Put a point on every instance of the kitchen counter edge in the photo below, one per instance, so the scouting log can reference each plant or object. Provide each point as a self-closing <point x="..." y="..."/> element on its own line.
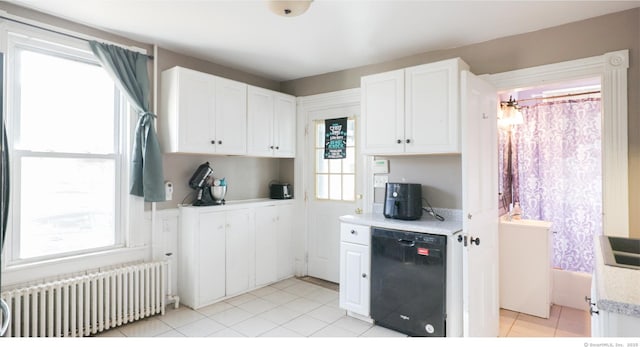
<point x="424" y="225"/>
<point x="238" y="204"/>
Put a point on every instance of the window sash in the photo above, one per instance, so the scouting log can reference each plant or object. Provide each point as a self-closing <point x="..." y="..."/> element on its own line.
<point x="17" y="42"/>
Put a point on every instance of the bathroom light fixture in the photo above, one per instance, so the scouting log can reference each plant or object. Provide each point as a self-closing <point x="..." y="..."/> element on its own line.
<point x="290" y="8"/>
<point x="510" y="113"/>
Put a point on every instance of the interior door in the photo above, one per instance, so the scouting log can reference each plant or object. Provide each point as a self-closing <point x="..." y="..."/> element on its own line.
<point x="333" y="189"/>
<point x="480" y="207"/>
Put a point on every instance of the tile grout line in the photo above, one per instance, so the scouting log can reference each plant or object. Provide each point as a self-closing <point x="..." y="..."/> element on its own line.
<point x="555" y="331"/>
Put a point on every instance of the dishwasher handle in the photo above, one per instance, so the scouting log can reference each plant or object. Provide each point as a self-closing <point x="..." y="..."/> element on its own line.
<point x="406" y="243"/>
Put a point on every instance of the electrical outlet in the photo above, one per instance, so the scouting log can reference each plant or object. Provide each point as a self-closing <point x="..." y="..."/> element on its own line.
<point x="379" y="181"/>
<point x="168" y="190"/>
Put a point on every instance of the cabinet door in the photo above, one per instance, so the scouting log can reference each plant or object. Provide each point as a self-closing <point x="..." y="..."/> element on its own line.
<point x="284" y="127"/>
<point x="383" y="113"/>
<point x="260" y="108"/>
<point x="285" y="241"/>
<point x="266" y="245"/>
<point x="230" y="117"/>
<point x="194" y="113"/>
<point x="239" y="251"/>
<point x="431" y="108"/>
<point x="211" y="260"/>
<point x="354" y="278"/>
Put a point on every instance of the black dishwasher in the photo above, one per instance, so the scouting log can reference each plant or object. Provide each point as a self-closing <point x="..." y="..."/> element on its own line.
<point x="408" y="279"/>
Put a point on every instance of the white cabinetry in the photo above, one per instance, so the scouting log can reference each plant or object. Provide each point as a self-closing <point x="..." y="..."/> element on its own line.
<point x="203" y="113"/>
<point x="285" y="242"/>
<point x="229" y="250"/>
<point x="414" y="110"/>
<point x="274" y="256"/>
<point x="239" y="257"/>
<point x="271" y="123"/>
<point x="201" y="275"/>
<point x="355" y="264"/>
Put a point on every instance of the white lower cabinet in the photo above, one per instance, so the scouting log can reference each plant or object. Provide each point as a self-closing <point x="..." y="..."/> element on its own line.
<point x="274" y="233"/>
<point x="239" y="252"/>
<point x="231" y="251"/>
<point x="208" y="261"/>
<point x="285" y="242"/>
<point x="355" y="263"/>
<point x="266" y="245"/>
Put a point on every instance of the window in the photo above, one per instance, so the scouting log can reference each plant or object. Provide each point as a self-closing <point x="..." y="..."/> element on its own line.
<point x="66" y="119"/>
<point x="335" y="178"/>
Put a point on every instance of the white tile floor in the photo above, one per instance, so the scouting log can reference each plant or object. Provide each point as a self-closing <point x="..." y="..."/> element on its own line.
<point x="290" y="308"/>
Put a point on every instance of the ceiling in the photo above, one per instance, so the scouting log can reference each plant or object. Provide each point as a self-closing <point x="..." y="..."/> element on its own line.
<point x="332" y="35"/>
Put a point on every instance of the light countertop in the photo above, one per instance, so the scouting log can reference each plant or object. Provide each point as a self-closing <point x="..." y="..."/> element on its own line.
<point x="618" y="287"/>
<point x="236" y="204"/>
<point x="427" y="224"/>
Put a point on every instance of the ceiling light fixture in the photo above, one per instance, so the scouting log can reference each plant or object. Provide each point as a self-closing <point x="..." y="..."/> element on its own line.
<point x="289" y="8"/>
<point x="510" y="113"/>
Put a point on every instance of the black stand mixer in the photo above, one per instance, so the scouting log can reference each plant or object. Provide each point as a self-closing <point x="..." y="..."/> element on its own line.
<point x="202" y="181"/>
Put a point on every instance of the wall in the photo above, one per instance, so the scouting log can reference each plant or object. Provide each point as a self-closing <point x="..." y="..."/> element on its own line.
<point x="248" y="177"/>
<point x="440" y="176"/>
<point x="582" y="39"/>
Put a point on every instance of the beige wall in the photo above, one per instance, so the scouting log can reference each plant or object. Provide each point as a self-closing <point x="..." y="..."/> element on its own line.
<point x="440" y="176"/>
<point x="582" y="39"/>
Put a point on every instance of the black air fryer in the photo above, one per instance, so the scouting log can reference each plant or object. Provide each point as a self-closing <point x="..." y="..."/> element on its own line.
<point x="403" y="201"/>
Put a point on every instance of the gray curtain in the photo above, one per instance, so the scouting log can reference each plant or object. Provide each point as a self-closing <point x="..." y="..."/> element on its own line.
<point x="129" y="71"/>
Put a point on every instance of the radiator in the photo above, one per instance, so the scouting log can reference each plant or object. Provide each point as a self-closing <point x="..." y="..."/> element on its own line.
<point x="88" y="304"/>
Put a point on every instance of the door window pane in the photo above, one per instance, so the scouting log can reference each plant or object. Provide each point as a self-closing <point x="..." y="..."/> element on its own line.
<point x="335" y="178"/>
<point x="322" y="186"/>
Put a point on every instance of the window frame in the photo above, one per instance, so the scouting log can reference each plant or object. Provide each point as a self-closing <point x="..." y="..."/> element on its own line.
<point x="316" y="174"/>
<point x="17" y="38"/>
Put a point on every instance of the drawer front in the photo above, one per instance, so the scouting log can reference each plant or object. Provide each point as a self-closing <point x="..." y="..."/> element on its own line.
<point x="360" y="234"/>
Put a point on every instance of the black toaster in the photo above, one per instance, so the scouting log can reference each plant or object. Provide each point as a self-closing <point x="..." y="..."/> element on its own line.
<point x="280" y="191"/>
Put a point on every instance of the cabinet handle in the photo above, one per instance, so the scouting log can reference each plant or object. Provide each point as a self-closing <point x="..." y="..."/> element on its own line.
<point x="271" y="147"/>
<point x="353" y="232"/>
<point x="213" y="142"/>
<point x="219" y="142"/>
<point x="475" y="240"/>
<point x="277" y="147"/>
<point x="592" y="311"/>
<point x="364" y="275"/>
<point x="408" y="140"/>
<point x="399" y="141"/>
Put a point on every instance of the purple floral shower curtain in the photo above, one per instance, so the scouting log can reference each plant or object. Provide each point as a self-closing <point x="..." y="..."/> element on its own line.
<point x="559" y="175"/>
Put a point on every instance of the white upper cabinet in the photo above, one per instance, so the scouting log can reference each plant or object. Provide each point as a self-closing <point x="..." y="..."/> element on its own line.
<point x="271" y="123"/>
<point x="383" y="113"/>
<point x="203" y="113"/>
<point x="414" y="110"/>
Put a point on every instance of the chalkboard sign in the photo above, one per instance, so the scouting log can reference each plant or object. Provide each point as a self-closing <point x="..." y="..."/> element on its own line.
<point x="335" y="138"/>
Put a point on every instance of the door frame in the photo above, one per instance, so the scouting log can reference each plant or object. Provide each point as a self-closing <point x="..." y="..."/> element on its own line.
<point x="305" y="106"/>
<point x="611" y="68"/>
